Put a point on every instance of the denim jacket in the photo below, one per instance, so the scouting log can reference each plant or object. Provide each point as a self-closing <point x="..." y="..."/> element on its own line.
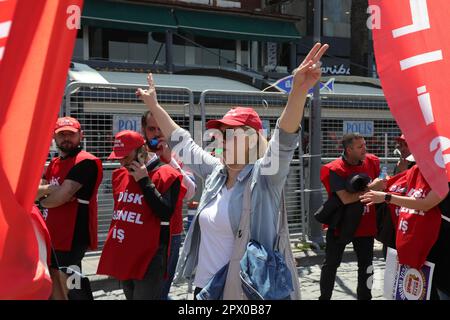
<point x="265" y="197"/>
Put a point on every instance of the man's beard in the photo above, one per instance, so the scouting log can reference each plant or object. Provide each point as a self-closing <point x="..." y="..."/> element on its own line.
<point x="67" y="147"/>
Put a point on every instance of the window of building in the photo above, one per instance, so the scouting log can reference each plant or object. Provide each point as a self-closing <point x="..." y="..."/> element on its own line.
<point x="245" y="58"/>
<point x="336" y="18"/>
<point x="157" y="48"/>
<point x="213" y="52"/>
<point x="126" y="46"/>
<point x="78" y="49"/>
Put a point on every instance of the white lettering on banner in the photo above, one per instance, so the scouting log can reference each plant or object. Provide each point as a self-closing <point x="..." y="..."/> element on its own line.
<point x="420" y="22"/>
<point x="416" y="193"/>
<point x="420" y="59"/>
<point x="118" y="234"/>
<point x="403" y="226"/>
<point x="4" y="29"/>
<point x="127" y="216"/>
<point x="130" y="197"/>
<point x="425" y="104"/>
<point x="440" y="144"/>
<point x="420" y="19"/>
<point x="366" y="210"/>
<point x="397" y="189"/>
<point x="54" y="181"/>
<point x="45" y="213"/>
<point x="411" y="211"/>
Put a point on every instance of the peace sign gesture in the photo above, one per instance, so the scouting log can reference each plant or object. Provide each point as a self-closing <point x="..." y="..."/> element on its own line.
<point x="148" y="96"/>
<point x="308" y="72"/>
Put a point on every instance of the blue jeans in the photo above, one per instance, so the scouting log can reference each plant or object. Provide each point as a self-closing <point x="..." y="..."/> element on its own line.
<point x="175" y="244"/>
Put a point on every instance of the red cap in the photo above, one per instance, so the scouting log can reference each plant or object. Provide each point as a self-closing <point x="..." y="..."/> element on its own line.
<point x="124" y="143"/>
<point x="67" y="124"/>
<point x="236" y="117"/>
<point x="401" y="138"/>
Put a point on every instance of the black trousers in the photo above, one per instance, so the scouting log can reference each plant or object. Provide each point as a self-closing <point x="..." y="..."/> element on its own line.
<point x="149" y="288"/>
<point x="334" y="250"/>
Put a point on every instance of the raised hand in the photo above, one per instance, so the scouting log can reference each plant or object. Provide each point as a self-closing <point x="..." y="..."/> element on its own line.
<point x="148" y="96"/>
<point x="308" y="72"/>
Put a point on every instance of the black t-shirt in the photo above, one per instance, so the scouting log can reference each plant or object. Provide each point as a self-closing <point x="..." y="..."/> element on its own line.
<point x="85" y="173"/>
<point x="337" y="183"/>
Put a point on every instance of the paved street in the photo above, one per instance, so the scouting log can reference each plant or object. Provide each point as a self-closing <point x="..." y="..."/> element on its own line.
<point x="309" y="275"/>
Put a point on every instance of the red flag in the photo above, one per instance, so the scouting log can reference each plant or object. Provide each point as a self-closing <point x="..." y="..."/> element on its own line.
<point x="6" y="14"/>
<point x="412" y="49"/>
<point x="32" y="79"/>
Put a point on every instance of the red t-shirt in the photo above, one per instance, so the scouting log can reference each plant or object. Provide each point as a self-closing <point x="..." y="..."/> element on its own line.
<point x="417" y="231"/>
<point x="370" y="166"/>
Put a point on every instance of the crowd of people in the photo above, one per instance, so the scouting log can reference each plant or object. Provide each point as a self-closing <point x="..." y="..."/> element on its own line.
<point x="241" y="201"/>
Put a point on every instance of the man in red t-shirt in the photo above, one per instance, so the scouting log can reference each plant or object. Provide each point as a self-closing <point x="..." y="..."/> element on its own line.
<point x="147" y="194"/>
<point x="335" y="176"/>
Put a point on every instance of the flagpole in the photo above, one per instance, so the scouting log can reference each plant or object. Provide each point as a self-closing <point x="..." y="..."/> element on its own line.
<point x="315" y="200"/>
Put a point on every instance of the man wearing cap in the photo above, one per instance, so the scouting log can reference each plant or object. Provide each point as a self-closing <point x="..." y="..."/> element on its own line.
<point x="404" y="163"/>
<point x="69" y="188"/>
<point x="157" y="146"/>
<point x="146" y="194"/>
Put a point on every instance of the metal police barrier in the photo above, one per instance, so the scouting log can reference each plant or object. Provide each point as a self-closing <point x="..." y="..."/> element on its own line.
<point x="105" y="109"/>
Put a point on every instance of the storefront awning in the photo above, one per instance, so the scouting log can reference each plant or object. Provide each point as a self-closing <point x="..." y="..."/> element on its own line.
<point x="125" y="16"/>
<point x="236" y="27"/>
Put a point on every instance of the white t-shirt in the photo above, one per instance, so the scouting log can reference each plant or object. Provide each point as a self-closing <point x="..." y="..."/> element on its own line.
<point x="217" y="238"/>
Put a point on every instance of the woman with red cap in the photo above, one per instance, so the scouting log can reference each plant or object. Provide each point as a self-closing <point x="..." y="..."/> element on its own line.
<point x="248" y="166"/>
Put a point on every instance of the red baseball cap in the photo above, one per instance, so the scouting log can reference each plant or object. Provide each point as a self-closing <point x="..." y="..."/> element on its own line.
<point x="124" y="143"/>
<point x="238" y="116"/>
<point x="67" y="124"/>
<point x="401" y="138"/>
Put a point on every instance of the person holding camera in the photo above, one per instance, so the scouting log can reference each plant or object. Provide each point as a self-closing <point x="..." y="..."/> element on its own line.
<point x="147" y="193"/>
<point x="158" y="148"/>
<point x="342" y="179"/>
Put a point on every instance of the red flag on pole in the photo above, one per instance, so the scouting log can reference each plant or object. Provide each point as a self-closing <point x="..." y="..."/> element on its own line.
<point x="33" y="74"/>
<point x="6" y="14"/>
<point x="412" y="49"/>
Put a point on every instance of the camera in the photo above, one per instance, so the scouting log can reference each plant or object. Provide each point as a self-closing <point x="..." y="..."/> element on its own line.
<point x="357" y="182"/>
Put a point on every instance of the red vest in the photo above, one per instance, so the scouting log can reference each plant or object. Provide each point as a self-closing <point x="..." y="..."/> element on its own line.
<point x="396" y="185"/>
<point x="417" y="231"/>
<point x="134" y="233"/>
<point x="61" y="220"/>
<point x="370" y="166"/>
